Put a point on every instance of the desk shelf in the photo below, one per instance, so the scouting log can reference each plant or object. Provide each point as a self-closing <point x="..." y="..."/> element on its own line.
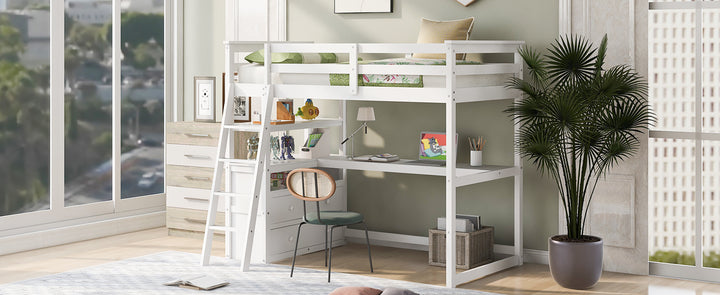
<point x="299" y="124"/>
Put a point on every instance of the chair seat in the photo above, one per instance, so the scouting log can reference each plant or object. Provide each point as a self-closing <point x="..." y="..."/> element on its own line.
<point x="335" y="217"/>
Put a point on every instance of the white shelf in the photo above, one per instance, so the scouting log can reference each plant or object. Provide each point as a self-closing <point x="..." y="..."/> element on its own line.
<point x="299" y="124"/>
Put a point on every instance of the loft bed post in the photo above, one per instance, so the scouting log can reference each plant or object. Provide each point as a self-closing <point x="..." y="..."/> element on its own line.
<point x="450" y="188"/>
<point x="230" y="92"/>
<point x="518" y="190"/>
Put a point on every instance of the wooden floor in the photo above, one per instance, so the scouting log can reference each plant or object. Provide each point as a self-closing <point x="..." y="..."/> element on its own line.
<point x="392" y="263"/>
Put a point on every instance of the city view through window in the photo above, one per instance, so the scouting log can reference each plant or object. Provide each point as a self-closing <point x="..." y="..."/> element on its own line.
<point x="675" y="179"/>
<point x="88" y="95"/>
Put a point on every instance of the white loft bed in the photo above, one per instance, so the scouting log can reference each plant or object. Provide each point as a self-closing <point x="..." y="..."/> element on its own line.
<point x="447" y="84"/>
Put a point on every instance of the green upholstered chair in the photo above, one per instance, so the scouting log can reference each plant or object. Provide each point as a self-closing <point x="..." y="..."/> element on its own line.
<point x="315" y="185"/>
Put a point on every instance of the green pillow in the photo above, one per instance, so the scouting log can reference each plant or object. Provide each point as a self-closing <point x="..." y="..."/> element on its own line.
<point x="292" y="58"/>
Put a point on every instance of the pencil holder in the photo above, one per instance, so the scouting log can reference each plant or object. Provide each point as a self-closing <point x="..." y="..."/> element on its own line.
<point x="475" y="158"/>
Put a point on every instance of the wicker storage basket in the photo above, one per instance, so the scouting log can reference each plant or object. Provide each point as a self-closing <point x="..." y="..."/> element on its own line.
<point x="473" y="248"/>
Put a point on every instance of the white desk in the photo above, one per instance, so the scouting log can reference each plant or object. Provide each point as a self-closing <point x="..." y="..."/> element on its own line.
<point x="465" y="174"/>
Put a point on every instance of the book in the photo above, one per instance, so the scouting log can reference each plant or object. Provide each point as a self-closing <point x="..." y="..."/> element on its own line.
<point x="201" y="282"/>
<point x="378" y="158"/>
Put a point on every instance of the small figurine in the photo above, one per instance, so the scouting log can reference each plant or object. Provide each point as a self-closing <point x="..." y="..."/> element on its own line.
<point x="287" y="144"/>
<point x="252" y="146"/>
<point x="275" y="147"/>
<point x="308" y="111"/>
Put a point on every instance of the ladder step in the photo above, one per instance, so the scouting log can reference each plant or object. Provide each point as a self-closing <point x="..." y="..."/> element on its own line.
<point x="223" y="228"/>
<point x="238" y="161"/>
<point x="232" y="195"/>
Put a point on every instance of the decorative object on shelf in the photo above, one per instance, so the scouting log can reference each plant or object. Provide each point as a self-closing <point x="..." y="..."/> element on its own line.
<point x="275" y="147"/>
<point x="308" y="111"/>
<point x="277" y="180"/>
<point x="476" y="148"/>
<point x="364" y="115"/>
<point x="575" y="131"/>
<point x="363" y="6"/>
<point x="284" y="114"/>
<point x="241" y="108"/>
<point x="204" y="99"/>
<point x="287" y="145"/>
<point x="252" y="146"/>
<point x="465" y="2"/>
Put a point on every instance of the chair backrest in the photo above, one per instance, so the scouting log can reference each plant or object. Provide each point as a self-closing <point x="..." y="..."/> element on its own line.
<point x="312" y="185"/>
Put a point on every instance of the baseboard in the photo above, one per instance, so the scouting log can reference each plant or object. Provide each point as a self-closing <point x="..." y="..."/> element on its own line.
<point x="421" y="243"/>
<point x="80" y="232"/>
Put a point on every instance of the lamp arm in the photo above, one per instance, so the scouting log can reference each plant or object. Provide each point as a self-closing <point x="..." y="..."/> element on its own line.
<point x="364" y="124"/>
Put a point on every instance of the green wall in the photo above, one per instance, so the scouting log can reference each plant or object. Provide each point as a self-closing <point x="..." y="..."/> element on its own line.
<point x="410" y="204"/>
<point x="204" y="54"/>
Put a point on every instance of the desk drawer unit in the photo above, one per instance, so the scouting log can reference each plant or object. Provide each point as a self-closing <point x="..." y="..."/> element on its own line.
<point x="189" y="222"/>
<point x="191" y="155"/>
<point x="193" y="133"/>
<point x="191" y="198"/>
<point x="192" y="177"/>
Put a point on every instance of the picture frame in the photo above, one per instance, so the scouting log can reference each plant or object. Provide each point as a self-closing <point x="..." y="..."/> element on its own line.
<point x="204" y="98"/>
<point x="363" y="6"/>
<point x="242" y="108"/>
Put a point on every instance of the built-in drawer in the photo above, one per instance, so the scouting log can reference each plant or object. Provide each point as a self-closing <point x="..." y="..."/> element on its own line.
<point x="288" y="208"/>
<point x="283" y="239"/>
<point x="192" y="177"/>
<point x="193" y="133"/>
<point x="190" y="219"/>
<point x="191" y="155"/>
<point x="191" y="198"/>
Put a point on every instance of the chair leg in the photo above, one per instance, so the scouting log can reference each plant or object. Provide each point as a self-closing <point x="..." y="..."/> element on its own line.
<point x="326" y="245"/>
<point x="367" y="240"/>
<point x="297" y="240"/>
<point x="330" y="253"/>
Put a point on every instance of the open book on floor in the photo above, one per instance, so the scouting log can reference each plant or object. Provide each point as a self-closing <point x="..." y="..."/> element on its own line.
<point x="198" y="282"/>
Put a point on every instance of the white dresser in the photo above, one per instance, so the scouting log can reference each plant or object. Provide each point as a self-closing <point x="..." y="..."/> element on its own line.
<point x="191" y="150"/>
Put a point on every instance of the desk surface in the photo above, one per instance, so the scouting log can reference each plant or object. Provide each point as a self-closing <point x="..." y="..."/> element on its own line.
<point x="465" y="173"/>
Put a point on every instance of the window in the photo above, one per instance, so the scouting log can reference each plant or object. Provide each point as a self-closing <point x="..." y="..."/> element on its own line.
<point x="683" y="51"/>
<point x="101" y="124"/>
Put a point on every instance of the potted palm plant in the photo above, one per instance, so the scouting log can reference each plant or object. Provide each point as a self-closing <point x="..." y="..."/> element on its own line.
<point x="576" y="121"/>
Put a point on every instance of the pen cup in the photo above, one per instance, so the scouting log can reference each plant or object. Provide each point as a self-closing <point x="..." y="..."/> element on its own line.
<point x="475" y="158"/>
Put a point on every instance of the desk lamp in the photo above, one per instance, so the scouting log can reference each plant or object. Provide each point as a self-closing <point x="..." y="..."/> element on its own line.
<point x="365" y="114"/>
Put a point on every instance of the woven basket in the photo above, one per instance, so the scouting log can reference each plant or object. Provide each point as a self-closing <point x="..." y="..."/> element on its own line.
<point x="473" y="248"/>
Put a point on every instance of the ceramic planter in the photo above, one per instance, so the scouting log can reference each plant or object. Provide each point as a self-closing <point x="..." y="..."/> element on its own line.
<point x="576" y="265"/>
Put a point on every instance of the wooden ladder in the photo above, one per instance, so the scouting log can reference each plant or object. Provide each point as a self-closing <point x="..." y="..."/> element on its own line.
<point x="224" y="162"/>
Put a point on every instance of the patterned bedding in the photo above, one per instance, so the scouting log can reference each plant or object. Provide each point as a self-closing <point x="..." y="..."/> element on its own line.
<point x="391" y="80"/>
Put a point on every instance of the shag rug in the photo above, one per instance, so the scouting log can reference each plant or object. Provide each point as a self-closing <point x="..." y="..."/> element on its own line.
<point x="146" y="275"/>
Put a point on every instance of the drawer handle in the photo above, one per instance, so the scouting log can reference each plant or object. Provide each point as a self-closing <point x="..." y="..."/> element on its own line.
<point x="197" y="157"/>
<point x="196" y="135"/>
<point x="291" y="208"/>
<point x="197" y="178"/>
<point x="291" y="238"/>
<point x="195" y="199"/>
<point x="193" y="220"/>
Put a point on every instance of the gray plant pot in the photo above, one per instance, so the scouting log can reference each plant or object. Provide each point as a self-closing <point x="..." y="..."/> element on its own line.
<point x="576" y="265"/>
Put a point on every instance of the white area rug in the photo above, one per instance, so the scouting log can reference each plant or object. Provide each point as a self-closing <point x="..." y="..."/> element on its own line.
<point x="145" y="275"/>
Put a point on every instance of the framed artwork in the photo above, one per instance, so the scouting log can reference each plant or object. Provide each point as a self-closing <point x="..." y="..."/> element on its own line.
<point x="363" y="6"/>
<point x="241" y="108"/>
<point x="204" y="99"/>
